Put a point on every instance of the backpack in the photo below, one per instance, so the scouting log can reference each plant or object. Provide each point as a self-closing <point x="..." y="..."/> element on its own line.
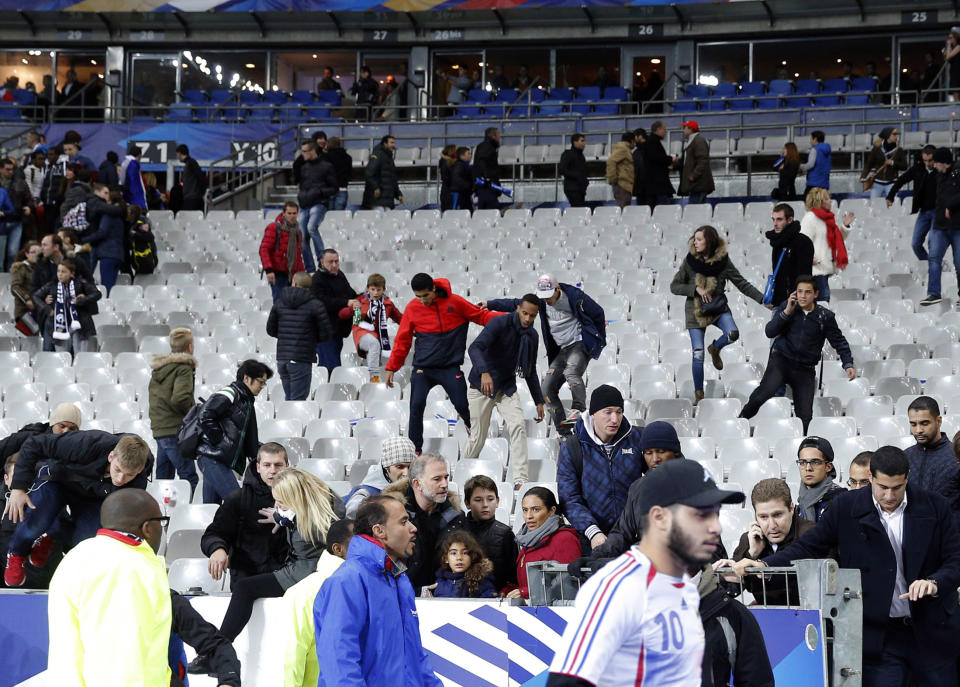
<point x="76" y="217"/>
<point x="143" y="253"/>
<point x="189" y="434"/>
<point x="575" y="451"/>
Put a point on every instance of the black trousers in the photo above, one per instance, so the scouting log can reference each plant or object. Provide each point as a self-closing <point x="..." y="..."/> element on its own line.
<point x="245" y="592"/>
<point x="487" y="199"/>
<point x="781" y="370"/>
<point x="576" y="197"/>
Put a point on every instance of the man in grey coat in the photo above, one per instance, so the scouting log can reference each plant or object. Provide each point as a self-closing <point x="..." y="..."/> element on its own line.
<point x="696" y="179"/>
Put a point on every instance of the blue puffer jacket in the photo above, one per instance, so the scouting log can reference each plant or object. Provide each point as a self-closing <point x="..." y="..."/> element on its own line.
<point x="934" y="469"/>
<point x="365" y="618"/>
<point x="451" y="585"/>
<point x="593" y="498"/>
<point x="819" y="175"/>
<point x="593" y="323"/>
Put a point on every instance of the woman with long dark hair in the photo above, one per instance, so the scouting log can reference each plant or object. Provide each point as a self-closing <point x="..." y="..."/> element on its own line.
<point x="702" y="278"/>
<point x="788" y="166"/>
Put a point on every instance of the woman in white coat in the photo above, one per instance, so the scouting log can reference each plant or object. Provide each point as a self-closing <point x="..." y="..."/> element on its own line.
<point x="829" y="250"/>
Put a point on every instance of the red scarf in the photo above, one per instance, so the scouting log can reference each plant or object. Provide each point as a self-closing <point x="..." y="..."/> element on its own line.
<point x="834" y="238"/>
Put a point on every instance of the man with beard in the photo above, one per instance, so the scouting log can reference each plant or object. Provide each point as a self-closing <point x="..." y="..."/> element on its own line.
<point x="433" y="511"/>
<point x="639" y="620"/>
<point x="792" y="251"/>
<point x="933" y="466"/>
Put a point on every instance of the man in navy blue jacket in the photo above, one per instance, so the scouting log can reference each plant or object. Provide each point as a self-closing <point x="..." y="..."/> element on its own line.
<point x="799" y="328"/>
<point x="906" y="545"/>
<point x="597" y="465"/>
<point x="505" y="349"/>
<point x="574" y="331"/>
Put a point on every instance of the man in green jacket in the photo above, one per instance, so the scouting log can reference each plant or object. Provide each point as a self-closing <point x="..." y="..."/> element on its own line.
<point x="171" y="397"/>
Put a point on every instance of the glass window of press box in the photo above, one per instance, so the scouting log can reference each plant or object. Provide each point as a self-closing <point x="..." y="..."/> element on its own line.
<point x="205" y="70"/>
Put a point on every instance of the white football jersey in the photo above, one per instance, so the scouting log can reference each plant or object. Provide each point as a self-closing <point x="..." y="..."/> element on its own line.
<point x="638" y="628"/>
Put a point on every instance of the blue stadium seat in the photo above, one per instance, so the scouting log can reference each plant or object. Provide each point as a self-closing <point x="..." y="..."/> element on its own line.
<point x="694" y="90"/>
<point x="504" y="97"/>
<point x="866" y="84"/>
<point x="551" y="108"/>
<point x="233" y="113"/>
<point x="470" y="110"/>
<point x="316" y="113"/>
<point x="261" y="113"/>
<point x="615" y="93"/>
<point x="580" y="108"/>
<point x="331" y="98"/>
<point x="564" y="94"/>
<point x="685" y="105"/>
<point x="195" y="96"/>
<point x="179" y="112"/>
<point x="715" y="104"/>
<point x="22" y="96"/>
<point x="857" y="99"/>
<point x="478" y="95"/>
<point x="780" y="87"/>
<point x="218" y="96"/>
<point x="740" y="105"/>
<point x="727" y="89"/>
<point x="588" y="93"/>
<point x="9" y="112"/>
<point x="753" y="88"/>
<point x="290" y="113"/>
<point x="537" y="95"/>
<point x="607" y="107"/>
<point x="275" y="97"/>
<point x="249" y="98"/>
<point x="302" y="97"/>
<point x="808" y="86"/>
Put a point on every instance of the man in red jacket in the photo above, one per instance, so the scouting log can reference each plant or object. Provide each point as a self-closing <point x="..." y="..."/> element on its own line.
<point x="280" y="249"/>
<point x="440" y="320"/>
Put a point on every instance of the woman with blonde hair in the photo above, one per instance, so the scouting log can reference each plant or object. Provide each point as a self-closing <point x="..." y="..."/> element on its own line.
<point x="829" y="250"/>
<point x="305" y="508"/>
<point x="883" y="163"/>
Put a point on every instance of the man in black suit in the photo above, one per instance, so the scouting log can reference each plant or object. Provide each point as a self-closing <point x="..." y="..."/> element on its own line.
<point x="905" y="544"/>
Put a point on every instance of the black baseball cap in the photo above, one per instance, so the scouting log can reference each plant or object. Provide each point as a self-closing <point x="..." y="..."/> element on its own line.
<point x="818" y="443"/>
<point x="683" y="482"/>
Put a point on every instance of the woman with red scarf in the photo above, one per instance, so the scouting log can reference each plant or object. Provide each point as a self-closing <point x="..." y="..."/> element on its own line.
<point x="829" y="250"/>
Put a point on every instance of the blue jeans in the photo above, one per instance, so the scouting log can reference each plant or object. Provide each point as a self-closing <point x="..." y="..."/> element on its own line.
<point x="727" y="325"/>
<point x="453" y="381"/>
<point x="328" y="353"/>
<point x="921" y="228"/>
<point x="219" y="481"/>
<point x="309" y="221"/>
<point x="940" y="239"/>
<point x="169" y="459"/>
<point x="9" y="238"/>
<point x="822" y="283"/>
<point x="296" y="378"/>
<point x="340" y="200"/>
<point x="109" y="269"/>
<point x="49" y="499"/>
<point x="280" y="282"/>
<point x="693" y="199"/>
<point x="880" y="190"/>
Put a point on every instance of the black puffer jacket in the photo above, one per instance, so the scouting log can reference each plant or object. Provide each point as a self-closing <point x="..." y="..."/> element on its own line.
<point x="193" y="178"/>
<point x="381" y="174"/>
<point x="11" y="444"/>
<point x="334" y="291"/>
<point x="318" y="183"/>
<point x="253" y="548"/>
<point x="222" y="421"/>
<point x="299" y="322"/>
<point x="75" y="460"/>
<point x="342" y="163"/>
<point x="797" y="261"/>
<point x="461" y="183"/>
<point x="486" y="160"/>
<point x="500" y="545"/>
<point x="948" y="198"/>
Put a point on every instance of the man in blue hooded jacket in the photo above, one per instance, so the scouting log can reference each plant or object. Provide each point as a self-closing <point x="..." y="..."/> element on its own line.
<point x="368" y="606"/>
<point x="574" y="331"/>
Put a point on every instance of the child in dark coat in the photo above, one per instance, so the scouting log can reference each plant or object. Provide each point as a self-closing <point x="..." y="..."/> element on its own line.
<point x="464" y="571"/>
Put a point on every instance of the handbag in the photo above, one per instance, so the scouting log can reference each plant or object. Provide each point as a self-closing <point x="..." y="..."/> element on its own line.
<point x="716" y="307"/>
<point x="27" y="325"/>
<point x="771" y="279"/>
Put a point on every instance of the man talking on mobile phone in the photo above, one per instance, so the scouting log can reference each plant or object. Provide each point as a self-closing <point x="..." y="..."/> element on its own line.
<point x="799" y="328"/>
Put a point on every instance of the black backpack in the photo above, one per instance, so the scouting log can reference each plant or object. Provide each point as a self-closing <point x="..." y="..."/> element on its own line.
<point x="189" y="434"/>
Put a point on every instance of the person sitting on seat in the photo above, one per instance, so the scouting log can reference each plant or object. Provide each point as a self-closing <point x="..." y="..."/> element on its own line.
<point x="396" y="454"/>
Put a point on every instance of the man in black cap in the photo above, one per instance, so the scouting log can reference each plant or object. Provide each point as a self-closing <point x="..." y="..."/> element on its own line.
<point x="646" y="592"/>
<point x="946" y="222"/>
<point x="817" y="488"/>
<point x="907" y="541"/>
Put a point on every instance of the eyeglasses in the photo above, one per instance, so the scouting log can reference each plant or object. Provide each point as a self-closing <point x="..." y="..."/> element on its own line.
<point x="857" y="483"/>
<point x="164" y="520"/>
<point x="815" y="463"/>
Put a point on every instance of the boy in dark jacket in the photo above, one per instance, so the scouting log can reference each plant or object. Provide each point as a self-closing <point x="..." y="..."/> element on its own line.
<point x="496" y="538"/>
<point x="68" y="305"/>
<point x="817" y="488"/>
<point x="228" y="424"/>
<point x="574" y="331"/>
<point x="236" y="539"/>
<point x="799" y="328"/>
<point x="76" y="469"/>
<point x="439" y="319"/>
<point x="505" y="350"/>
<point x="597" y="465"/>
<point x="281" y="249"/>
<point x="299" y="322"/>
<point x="461" y="180"/>
<point x="171" y="397"/>
<point x="573" y="169"/>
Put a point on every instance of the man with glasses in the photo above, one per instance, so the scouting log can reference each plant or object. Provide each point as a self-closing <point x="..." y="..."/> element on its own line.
<point x="109" y="605"/>
<point x="75" y="469"/>
<point x="858" y="476"/>
<point x="228" y="424"/>
<point x="817" y="488"/>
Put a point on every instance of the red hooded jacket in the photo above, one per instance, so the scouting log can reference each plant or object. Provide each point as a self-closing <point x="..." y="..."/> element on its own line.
<point x="273" y="249"/>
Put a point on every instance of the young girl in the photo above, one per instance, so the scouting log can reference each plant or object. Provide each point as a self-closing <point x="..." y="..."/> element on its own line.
<point x="370" y="331"/>
<point x="702" y="278"/>
<point x="465" y="572"/>
<point x="543" y="537"/>
<point x="70" y="304"/>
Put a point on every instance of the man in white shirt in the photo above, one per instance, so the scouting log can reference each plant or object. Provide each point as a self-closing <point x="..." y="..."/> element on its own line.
<point x="639" y="622"/>
<point x="905" y="542"/>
